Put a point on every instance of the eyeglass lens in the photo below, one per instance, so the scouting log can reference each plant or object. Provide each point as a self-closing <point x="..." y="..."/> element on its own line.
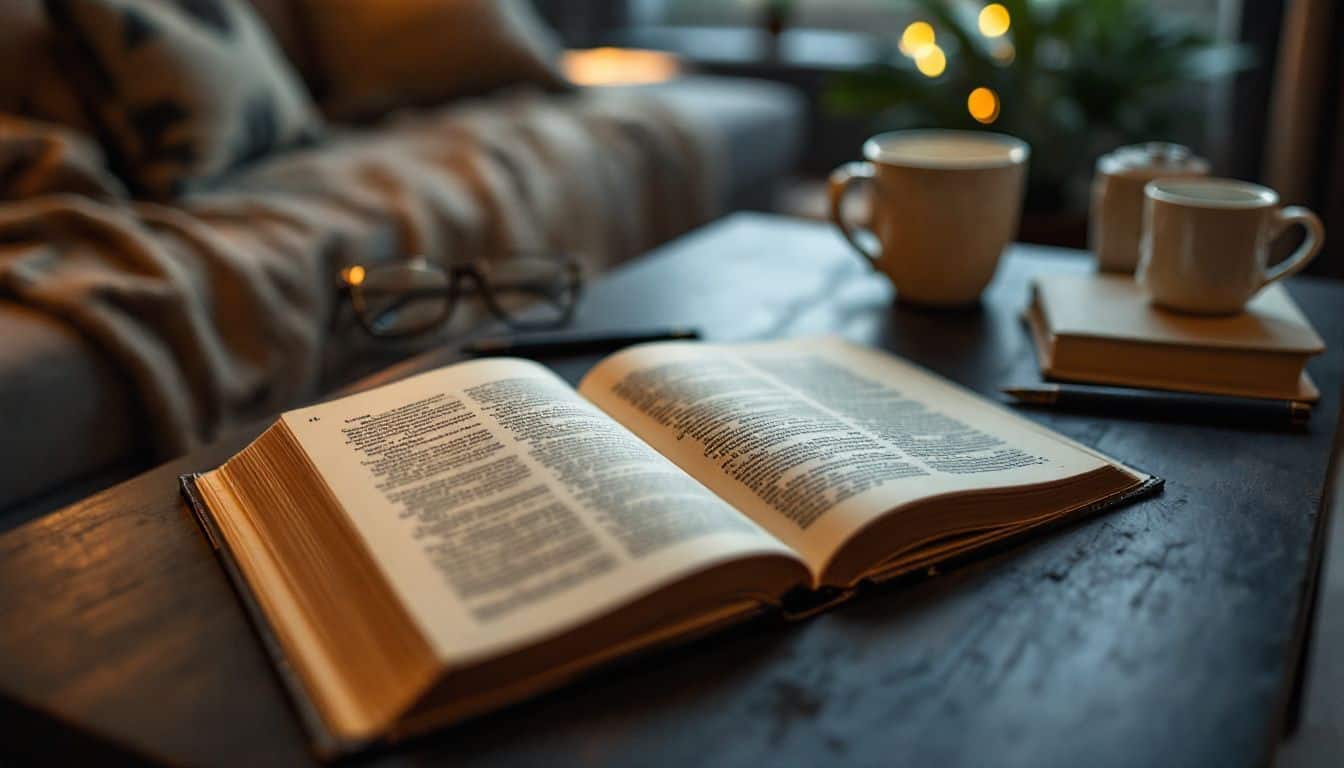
<point x="531" y="291"/>
<point x="400" y="299"/>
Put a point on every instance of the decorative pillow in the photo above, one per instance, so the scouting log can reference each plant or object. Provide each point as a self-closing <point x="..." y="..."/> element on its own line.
<point x="181" y="91"/>
<point x="375" y="55"/>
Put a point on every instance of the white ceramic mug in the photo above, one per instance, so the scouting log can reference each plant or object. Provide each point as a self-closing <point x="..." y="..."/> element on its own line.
<point x="1206" y="242"/>
<point x="944" y="205"/>
<point x="1115" y="219"/>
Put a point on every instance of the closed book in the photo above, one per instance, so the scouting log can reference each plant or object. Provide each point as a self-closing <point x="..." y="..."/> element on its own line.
<point x="1101" y="329"/>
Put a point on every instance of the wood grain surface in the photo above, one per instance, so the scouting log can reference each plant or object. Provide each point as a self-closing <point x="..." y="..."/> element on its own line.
<point x="1164" y="633"/>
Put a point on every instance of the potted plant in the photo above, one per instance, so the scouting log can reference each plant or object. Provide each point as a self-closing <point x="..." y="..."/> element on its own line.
<point x="1074" y="78"/>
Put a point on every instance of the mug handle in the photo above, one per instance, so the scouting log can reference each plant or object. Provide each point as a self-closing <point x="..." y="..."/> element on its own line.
<point x="841" y="180"/>
<point x="1286" y="217"/>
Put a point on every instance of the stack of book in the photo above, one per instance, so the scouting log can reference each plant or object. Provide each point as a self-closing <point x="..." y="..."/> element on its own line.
<point x="1100" y="329"/>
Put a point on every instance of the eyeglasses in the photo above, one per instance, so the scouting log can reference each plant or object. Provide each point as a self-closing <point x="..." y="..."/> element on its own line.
<point x="414" y="297"/>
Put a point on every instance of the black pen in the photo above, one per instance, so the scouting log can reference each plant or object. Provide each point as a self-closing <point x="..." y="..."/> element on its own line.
<point x="570" y="343"/>
<point x="1167" y="406"/>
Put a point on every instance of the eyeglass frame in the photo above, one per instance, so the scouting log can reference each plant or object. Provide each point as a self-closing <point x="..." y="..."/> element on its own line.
<point x="457" y="277"/>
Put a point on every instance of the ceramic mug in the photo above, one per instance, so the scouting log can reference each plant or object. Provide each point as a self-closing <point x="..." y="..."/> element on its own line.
<point x="1115" y="219"/>
<point x="944" y="206"/>
<point x="1205" y="243"/>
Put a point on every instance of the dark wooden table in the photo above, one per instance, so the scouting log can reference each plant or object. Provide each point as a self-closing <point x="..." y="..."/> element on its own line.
<point x="1164" y="633"/>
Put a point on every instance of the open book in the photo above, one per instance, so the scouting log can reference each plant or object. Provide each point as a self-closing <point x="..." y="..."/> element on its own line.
<point x="446" y="544"/>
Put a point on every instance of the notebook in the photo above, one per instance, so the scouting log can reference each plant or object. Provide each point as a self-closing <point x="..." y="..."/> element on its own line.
<point x="1100" y="329"/>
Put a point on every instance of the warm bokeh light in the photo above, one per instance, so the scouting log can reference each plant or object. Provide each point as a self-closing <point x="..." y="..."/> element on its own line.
<point x="917" y="39"/>
<point x="1003" y="52"/>
<point x="619" y="66"/>
<point x="983" y="104"/>
<point x="994" y="20"/>
<point x="931" y="61"/>
<point x="354" y="275"/>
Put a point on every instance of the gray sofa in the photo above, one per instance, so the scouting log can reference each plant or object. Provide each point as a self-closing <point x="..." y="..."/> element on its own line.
<point x="74" y="421"/>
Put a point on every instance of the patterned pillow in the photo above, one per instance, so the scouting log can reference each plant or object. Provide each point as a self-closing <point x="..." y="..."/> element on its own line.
<point x="181" y="91"/>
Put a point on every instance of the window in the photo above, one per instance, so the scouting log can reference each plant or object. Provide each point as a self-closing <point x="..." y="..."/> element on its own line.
<point x="874" y="16"/>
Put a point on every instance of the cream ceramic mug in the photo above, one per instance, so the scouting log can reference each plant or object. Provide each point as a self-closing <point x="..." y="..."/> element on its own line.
<point x="1205" y="243"/>
<point x="944" y="205"/>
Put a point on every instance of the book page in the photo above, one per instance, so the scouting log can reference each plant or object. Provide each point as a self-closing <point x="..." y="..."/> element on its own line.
<point x="815" y="439"/>
<point x="502" y="507"/>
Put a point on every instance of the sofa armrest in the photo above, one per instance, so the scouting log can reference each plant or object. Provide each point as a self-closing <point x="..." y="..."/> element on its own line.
<point x="67" y="414"/>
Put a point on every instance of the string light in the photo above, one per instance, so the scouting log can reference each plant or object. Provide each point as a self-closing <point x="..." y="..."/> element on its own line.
<point x="994" y="20"/>
<point x="983" y="104"/>
<point x="931" y="61"/>
<point x="917" y="39"/>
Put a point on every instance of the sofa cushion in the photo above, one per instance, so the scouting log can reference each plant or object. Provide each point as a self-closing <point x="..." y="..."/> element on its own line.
<point x="220" y="93"/>
<point x="374" y="56"/>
